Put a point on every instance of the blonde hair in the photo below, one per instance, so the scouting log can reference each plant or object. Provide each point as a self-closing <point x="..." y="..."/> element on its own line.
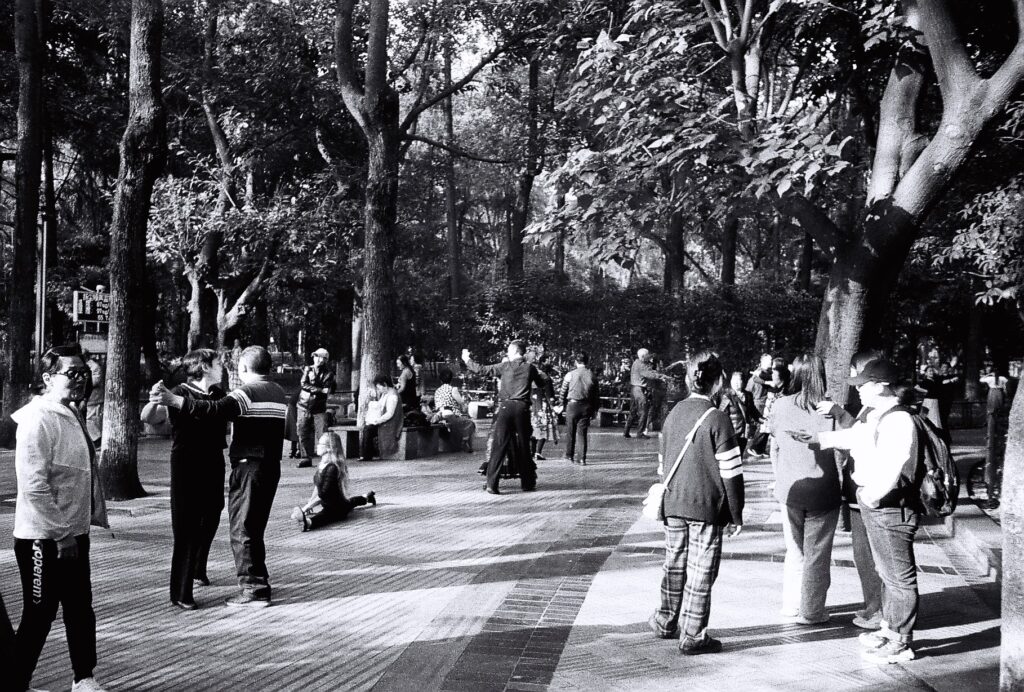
<point x="334" y="452"/>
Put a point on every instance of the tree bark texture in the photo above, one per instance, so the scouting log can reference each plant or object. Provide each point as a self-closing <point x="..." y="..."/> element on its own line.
<point x="27" y="166"/>
<point x="730" y="232"/>
<point x="1011" y="678"/>
<point x="451" y="191"/>
<point x="527" y="174"/>
<point x="142" y="154"/>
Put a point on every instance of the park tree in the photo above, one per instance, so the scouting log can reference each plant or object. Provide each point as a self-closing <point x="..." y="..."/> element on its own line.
<point x="142" y="156"/>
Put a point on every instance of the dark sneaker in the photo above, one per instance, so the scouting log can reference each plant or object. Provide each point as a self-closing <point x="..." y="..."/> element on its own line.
<point x="492" y="491"/>
<point x="184" y="605"/>
<point x="626" y="434"/>
<point x="893" y="651"/>
<point x="247" y="599"/>
<point x="707" y="646"/>
<point x="201" y="581"/>
<point x="539" y="457"/>
<point x="303" y="463"/>
<point x="371" y="498"/>
<point x="659" y="632"/>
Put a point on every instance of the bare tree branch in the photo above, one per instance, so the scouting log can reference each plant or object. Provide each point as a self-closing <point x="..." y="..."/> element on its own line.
<point x="376" y="68"/>
<point x="812" y="220"/>
<point x="456" y="150"/>
<point x="716" y="26"/>
<point x="424" y="29"/>
<point x="953" y="67"/>
<point x="348" y="81"/>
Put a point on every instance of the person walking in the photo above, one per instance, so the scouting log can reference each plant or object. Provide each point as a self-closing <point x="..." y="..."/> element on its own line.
<point x="331" y="492"/>
<point x="316" y="385"/>
<point x="258" y="411"/>
<point x="703" y="500"/>
<point x="581" y="400"/>
<point x="807" y="487"/>
<point x="512" y="419"/>
<point x="641" y="379"/>
<point x="58" y="498"/>
<point x="197" y="474"/>
<point x="884" y="448"/>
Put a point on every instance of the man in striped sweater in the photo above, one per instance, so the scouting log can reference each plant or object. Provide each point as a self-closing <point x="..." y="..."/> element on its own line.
<point x="258" y="410"/>
<point x="703" y="500"/>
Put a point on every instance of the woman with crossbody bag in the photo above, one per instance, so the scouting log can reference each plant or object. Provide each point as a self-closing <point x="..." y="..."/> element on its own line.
<point x="702" y="500"/>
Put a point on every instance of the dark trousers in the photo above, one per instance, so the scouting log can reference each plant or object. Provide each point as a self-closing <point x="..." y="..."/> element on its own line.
<point x="368" y="441"/>
<point x="577" y="420"/>
<point x="47" y="583"/>
<point x="512" y="427"/>
<point x="639" y="409"/>
<point x="6" y="639"/>
<point x="995" y="442"/>
<point x="197" y="499"/>
<point x="252" y="488"/>
<point x="329" y="515"/>
<point x="310" y="426"/>
<point x="870" y="583"/>
<point x="891" y="534"/>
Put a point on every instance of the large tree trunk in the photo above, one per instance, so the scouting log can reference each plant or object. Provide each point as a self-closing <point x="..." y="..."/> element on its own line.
<point x="1012" y="666"/>
<point x="28" y="161"/>
<point x="973" y="352"/>
<point x="529" y="172"/>
<point x="730" y="231"/>
<point x="451" y="192"/>
<point x="675" y="277"/>
<point x="142" y="155"/>
<point x="803" y="278"/>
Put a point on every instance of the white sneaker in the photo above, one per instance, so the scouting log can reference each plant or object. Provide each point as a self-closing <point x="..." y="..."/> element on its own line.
<point x="87" y="685"/>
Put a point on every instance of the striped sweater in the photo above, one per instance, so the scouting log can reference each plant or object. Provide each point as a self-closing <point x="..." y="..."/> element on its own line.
<point x="258" y="411"/>
<point x="708" y="486"/>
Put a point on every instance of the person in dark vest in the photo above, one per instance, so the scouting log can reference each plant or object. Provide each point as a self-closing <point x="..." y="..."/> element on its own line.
<point x="581" y="400"/>
<point x="512" y="419"/>
<point x="316" y="385"/>
<point x="258" y="410"/>
<point x="59" y="497"/>
<point x="197" y="474"/>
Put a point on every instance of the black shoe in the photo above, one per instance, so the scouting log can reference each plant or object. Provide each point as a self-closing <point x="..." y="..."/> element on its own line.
<point x="626" y="434"/>
<point x="492" y="491"/>
<point x="184" y="605"/>
<point x="371" y="498"/>
<point x="303" y="463"/>
<point x="708" y="646"/>
<point x="247" y="599"/>
<point x="201" y="581"/>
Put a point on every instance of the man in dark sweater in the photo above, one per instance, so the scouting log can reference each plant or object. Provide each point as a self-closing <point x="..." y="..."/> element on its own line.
<point x="258" y="410"/>
<point x="512" y="419"/>
<point x="703" y="500"/>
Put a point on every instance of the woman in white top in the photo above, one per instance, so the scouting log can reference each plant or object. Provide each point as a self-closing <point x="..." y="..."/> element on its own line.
<point x="382" y="422"/>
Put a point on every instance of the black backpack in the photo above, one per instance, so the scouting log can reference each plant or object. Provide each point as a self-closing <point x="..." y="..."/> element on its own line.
<point x="934" y="474"/>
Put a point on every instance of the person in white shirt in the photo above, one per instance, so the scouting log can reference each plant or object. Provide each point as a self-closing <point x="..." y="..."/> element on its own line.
<point x="382" y="422"/>
<point x="884" y="448"/>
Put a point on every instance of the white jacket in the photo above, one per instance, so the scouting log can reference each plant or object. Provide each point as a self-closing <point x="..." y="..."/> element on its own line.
<point x="53" y="464"/>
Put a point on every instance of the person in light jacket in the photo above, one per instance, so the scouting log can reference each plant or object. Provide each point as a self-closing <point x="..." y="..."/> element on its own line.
<point x="59" y="496"/>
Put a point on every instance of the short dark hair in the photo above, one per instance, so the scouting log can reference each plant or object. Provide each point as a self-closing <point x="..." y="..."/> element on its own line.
<point x="382" y="379"/>
<point x="49" y="362"/>
<point x="519" y="345"/>
<point x="582" y="357"/>
<point x="404" y="360"/>
<point x="703" y="370"/>
<point x="865" y="356"/>
<point x="257" y="359"/>
<point x="445" y="375"/>
<point x="197" y="361"/>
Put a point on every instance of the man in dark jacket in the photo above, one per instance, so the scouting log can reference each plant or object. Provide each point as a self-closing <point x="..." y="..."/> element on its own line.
<point x="311" y="413"/>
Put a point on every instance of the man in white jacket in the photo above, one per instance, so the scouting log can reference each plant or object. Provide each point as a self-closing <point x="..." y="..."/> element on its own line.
<point x="884" y="448"/>
<point x="57" y="501"/>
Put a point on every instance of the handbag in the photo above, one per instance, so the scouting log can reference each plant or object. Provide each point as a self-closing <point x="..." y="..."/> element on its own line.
<point x="305" y="398"/>
<point x="654" y="508"/>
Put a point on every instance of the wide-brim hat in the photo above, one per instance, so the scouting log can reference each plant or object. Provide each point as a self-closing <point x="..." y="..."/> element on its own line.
<point x="880" y="370"/>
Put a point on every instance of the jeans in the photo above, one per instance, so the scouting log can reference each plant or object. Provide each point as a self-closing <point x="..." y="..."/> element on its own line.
<point x="577" y="421"/>
<point x="368" y="441"/>
<point x="806" y="571"/>
<point x="693" y="551"/>
<point x="891" y="534"/>
<point x="512" y="429"/>
<point x="870" y="583"/>
<point x="639" y="409"/>
<point x="252" y="488"/>
<point x="48" y="582"/>
<point x="310" y="426"/>
<point x="197" y="500"/>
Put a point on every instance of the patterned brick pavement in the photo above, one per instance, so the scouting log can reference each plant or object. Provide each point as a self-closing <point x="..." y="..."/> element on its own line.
<point x="442" y="586"/>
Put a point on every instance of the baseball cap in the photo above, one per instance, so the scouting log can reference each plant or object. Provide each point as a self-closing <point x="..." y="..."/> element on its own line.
<point x="879" y="370"/>
<point x="322" y="352"/>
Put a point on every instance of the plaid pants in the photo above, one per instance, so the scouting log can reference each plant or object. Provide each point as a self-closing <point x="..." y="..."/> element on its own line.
<point x="693" y="550"/>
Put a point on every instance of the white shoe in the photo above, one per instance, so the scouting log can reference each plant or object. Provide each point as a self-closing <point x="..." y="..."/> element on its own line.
<point x="87" y="685"/>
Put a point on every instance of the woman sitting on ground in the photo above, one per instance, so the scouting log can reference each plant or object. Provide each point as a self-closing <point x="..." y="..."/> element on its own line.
<point x="450" y="409"/>
<point x="331" y="491"/>
<point x="382" y="422"/>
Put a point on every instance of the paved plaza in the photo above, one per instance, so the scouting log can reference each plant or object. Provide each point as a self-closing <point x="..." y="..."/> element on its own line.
<point x="444" y="587"/>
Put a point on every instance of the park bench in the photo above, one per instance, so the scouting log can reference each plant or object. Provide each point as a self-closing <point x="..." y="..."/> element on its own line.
<point x="415" y="442"/>
<point x="613" y="412"/>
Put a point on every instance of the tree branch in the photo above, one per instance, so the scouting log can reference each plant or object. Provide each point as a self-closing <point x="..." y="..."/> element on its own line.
<point x="716" y="26"/>
<point x="953" y="67"/>
<point x="348" y="82"/>
<point x="462" y="153"/>
<point x="376" y="68"/>
<point x="416" y="49"/>
<point x="1001" y="86"/>
<point x="696" y="265"/>
<point x="812" y="220"/>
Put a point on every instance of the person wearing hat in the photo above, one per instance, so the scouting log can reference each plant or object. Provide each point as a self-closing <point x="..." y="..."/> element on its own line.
<point x="884" y="448"/>
<point x="311" y="414"/>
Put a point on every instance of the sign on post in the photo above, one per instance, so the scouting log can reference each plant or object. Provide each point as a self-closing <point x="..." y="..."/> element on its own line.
<point x="91" y="310"/>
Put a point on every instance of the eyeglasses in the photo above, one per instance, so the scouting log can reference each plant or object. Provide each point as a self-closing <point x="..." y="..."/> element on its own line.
<point x="76" y="373"/>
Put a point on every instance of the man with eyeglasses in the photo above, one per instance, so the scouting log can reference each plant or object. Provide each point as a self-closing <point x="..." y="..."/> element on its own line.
<point x="58" y="498"/>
